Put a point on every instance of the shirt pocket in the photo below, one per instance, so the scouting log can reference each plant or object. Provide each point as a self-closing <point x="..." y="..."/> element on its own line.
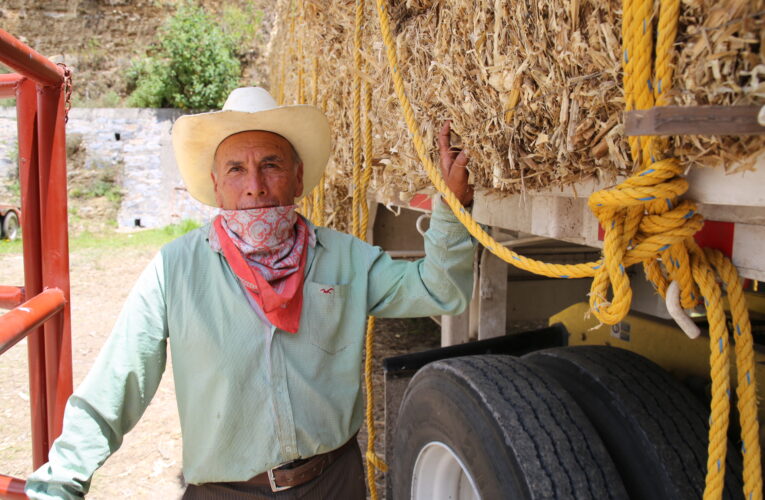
<point x="325" y="312"/>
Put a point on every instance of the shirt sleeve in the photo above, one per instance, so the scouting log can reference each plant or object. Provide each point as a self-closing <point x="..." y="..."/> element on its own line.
<point x="113" y="395"/>
<point x="440" y="283"/>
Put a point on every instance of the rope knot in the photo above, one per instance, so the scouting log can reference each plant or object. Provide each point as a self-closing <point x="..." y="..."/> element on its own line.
<point x="643" y="220"/>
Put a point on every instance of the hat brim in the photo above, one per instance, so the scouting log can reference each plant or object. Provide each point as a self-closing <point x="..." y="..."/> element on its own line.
<point x="196" y="138"/>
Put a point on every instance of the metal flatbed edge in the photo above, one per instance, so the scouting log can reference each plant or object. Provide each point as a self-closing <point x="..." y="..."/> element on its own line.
<point x="562" y="213"/>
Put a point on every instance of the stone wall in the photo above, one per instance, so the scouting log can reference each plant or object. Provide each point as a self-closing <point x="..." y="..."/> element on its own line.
<point x="138" y="140"/>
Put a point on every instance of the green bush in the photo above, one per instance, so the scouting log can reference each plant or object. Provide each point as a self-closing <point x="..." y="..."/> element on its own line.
<point x="195" y="65"/>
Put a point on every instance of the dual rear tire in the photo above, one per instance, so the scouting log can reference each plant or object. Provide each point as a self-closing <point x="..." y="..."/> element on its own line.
<point x="581" y="422"/>
<point x="512" y="433"/>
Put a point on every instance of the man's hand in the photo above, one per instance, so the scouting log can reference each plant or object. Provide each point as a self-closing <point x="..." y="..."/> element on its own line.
<point x="454" y="167"/>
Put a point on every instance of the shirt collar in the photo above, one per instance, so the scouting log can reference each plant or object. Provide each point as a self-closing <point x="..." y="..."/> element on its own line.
<point x="319" y="234"/>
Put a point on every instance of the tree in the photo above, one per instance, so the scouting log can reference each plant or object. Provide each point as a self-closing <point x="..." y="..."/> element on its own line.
<point x="195" y="66"/>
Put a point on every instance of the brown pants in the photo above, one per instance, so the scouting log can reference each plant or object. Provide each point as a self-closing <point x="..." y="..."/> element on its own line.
<point x="343" y="480"/>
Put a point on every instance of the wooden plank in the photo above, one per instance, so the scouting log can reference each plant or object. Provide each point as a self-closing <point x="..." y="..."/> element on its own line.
<point x="455" y="329"/>
<point x="694" y="120"/>
<point x="492" y="289"/>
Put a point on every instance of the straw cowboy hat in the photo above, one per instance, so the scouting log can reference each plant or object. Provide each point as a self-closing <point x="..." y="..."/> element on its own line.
<point x="196" y="137"/>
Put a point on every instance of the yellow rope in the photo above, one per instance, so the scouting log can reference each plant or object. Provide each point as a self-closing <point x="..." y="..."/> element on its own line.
<point x="359" y="227"/>
<point x="643" y="219"/>
<point x="356" y="115"/>
<point x="745" y="387"/>
<point x="318" y="192"/>
<point x="305" y="203"/>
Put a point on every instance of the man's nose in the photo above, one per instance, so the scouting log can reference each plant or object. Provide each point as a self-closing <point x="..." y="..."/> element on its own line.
<point x="255" y="184"/>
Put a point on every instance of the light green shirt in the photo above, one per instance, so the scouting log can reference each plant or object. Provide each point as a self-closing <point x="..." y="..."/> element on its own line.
<point x="250" y="396"/>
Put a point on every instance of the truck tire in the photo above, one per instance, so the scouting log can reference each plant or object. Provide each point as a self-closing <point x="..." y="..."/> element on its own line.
<point x="491" y="427"/>
<point x="653" y="427"/>
<point x="11" y="225"/>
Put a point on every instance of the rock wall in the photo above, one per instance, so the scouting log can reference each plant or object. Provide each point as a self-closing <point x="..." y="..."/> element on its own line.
<point x="138" y="140"/>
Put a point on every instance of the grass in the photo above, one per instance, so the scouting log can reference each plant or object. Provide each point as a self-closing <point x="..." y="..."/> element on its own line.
<point x="113" y="239"/>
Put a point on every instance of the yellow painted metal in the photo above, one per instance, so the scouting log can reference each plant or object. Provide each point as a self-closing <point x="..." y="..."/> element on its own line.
<point x="658" y="340"/>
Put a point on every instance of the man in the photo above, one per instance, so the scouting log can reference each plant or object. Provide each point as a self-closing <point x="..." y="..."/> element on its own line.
<point x="264" y="314"/>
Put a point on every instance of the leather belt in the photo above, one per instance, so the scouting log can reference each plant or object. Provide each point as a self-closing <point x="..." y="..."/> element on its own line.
<point x="298" y="472"/>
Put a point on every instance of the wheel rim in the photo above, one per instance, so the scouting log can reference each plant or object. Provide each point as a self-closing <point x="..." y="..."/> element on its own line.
<point x="12" y="227"/>
<point x="439" y="473"/>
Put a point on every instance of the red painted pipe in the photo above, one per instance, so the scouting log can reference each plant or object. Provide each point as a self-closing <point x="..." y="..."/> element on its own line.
<point x="28" y="62"/>
<point x="16" y="323"/>
<point x="11" y="296"/>
<point x="26" y="113"/>
<point x="51" y="150"/>
<point x="8" y="84"/>
<point x="12" y="488"/>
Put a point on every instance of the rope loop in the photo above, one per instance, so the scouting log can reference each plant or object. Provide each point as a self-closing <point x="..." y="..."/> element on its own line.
<point x="642" y="219"/>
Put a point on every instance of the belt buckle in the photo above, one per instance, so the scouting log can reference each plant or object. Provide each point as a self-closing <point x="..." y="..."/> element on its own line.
<point x="272" y="482"/>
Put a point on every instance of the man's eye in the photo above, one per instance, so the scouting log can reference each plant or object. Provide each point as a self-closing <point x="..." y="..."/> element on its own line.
<point x="235" y="169"/>
<point x="271" y="165"/>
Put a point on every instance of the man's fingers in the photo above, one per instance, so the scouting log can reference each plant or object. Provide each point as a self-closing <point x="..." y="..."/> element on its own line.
<point x="461" y="160"/>
<point x="443" y="138"/>
<point x="457" y="164"/>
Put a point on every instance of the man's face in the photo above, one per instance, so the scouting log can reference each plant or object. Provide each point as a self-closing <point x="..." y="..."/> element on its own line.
<point x="256" y="169"/>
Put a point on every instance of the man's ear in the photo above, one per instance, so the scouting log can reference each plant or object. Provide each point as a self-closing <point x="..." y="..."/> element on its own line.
<point x="215" y="188"/>
<point x="299" y="179"/>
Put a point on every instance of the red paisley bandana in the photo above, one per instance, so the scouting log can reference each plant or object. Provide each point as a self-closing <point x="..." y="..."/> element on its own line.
<point x="266" y="249"/>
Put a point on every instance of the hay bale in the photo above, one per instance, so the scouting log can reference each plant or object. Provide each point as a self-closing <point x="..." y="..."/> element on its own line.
<point x="533" y="88"/>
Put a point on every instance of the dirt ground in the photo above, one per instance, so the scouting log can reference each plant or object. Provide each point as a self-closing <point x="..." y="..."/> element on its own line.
<point x="148" y="465"/>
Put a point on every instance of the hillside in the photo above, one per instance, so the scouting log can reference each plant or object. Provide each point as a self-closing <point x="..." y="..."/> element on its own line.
<point x="99" y="38"/>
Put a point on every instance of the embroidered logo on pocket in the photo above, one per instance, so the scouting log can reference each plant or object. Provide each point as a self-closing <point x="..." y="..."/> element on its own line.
<point x="327" y="291"/>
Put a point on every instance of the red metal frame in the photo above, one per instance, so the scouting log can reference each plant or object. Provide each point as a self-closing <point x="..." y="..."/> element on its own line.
<point x="17" y="323"/>
<point x="11" y="296"/>
<point x="45" y="317"/>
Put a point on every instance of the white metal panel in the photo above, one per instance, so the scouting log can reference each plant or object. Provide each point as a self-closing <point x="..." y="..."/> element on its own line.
<point x="749" y="250"/>
<point x="714" y="187"/>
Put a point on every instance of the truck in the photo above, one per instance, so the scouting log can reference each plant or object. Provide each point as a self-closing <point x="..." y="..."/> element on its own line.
<point x="531" y="395"/>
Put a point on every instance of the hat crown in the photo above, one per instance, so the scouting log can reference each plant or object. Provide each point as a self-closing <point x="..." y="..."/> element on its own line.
<point x="249" y="100"/>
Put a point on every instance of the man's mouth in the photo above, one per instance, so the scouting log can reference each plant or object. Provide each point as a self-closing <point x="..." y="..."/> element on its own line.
<point x="249" y="206"/>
